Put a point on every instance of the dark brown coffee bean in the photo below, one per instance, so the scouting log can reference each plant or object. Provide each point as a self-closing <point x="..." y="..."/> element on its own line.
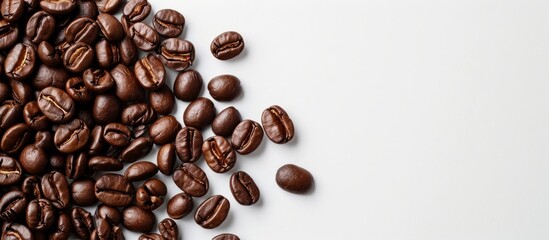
<point x="117" y="134"/>
<point x="106" y="109"/>
<point x="191" y="179"/>
<point x="85" y="114"/>
<point x="107" y="53"/>
<point x="150" y="236"/>
<point x="78" y="57"/>
<point x="104" y="163"/>
<point x="219" y="154"/>
<point x="224" y="87"/>
<point x="138" y="219"/>
<point x="78" y="91"/>
<point x="40" y="214"/>
<point x="188" y="144"/>
<point x="144" y="36"/>
<point x="31" y="5"/>
<point x="166" y="158"/>
<point x="169" y="23"/>
<point x="110" y="27"/>
<point x="226" y="121"/>
<point x="168" y="229"/>
<point x="140" y="171"/>
<point x="151" y="195"/>
<point x="57" y="7"/>
<point x="164" y="130"/>
<point x="212" y="212"/>
<point x="112" y="214"/>
<point x="22" y="92"/>
<point x="16" y="231"/>
<point x="31" y="188"/>
<point x="199" y="113"/>
<point x="81" y="192"/>
<point x="62" y="229"/>
<point x="177" y="54"/>
<point x="294" y="179"/>
<point x="33" y="159"/>
<point x="44" y="140"/>
<point x="32" y="115"/>
<point x="137" y="10"/>
<point x="9" y="35"/>
<point x="138" y="114"/>
<point x="127" y="86"/>
<point x="109" y="6"/>
<point x="244" y="189"/>
<point x="47" y="76"/>
<point x="162" y="100"/>
<point x="56" y="189"/>
<point x="98" y="80"/>
<point x="139" y="131"/>
<point x="12" y="10"/>
<point x="40" y="27"/>
<point x="114" y="190"/>
<point x="187" y="85"/>
<point x="5" y="90"/>
<point x="48" y="54"/>
<point x="247" y="137"/>
<point x="128" y="51"/>
<point x="10" y="113"/>
<point x="72" y="136"/>
<point x="87" y="8"/>
<point x="76" y="165"/>
<point x="126" y="25"/>
<point x="15" y="138"/>
<point x="226" y="236"/>
<point x="56" y="104"/>
<point x="82" y="222"/>
<point x="277" y="124"/>
<point x="20" y="62"/>
<point x="150" y="72"/>
<point x="12" y="205"/>
<point x="180" y="205"/>
<point x="97" y="144"/>
<point x="227" y="45"/>
<point x="137" y="149"/>
<point x="82" y="30"/>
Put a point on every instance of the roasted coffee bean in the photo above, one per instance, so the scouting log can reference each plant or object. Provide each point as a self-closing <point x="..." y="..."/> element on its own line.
<point x="137" y="10"/>
<point x="48" y="54"/>
<point x="12" y="205"/>
<point x="187" y="85"/>
<point x="56" y="189"/>
<point x="10" y="113"/>
<point x="82" y="30"/>
<point x="56" y="105"/>
<point x="57" y="161"/>
<point x="212" y="212"/>
<point x="127" y="87"/>
<point x="15" y="138"/>
<point x="31" y="188"/>
<point x="85" y="114"/>
<point x="22" y="92"/>
<point x="112" y="214"/>
<point x="107" y="53"/>
<point x="39" y="27"/>
<point x="82" y="192"/>
<point x="47" y="76"/>
<point x="247" y="137"/>
<point x="226" y="236"/>
<point x="77" y="90"/>
<point x="87" y="8"/>
<point x="106" y="109"/>
<point x="150" y="236"/>
<point x="76" y="165"/>
<point x="162" y="100"/>
<point x="168" y="229"/>
<point x="44" y="140"/>
<point x="117" y="134"/>
<point x="277" y="124"/>
<point x="139" y="131"/>
<point x="12" y="10"/>
<point x="151" y="195"/>
<point x="219" y="154"/>
<point x="97" y="144"/>
<point x="33" y="159"/>
<point x="138" y="114"/>
<point x="16" y="231"/>
<point x="63" y="228"/>
<point x="31" y="5"/>
<point x="180" y="205"/>
<point x="199" y="113"/>
<point x="227" y="45"/>
<point x="57" y="7"/>
<point x="78" y="57"/>
<point x="138" y="219"/>
<point x="98" y="80"/>
<point x="140" y="171"/>
<point x="5" y="90"/>
<point x="191" y="179"/>
<point x="243" y="188"/>
<point x="294" y="179"/>
<point x="110" y="27"/>
<point x="137" y="149"/>
<point x="144" y="36"/>
<point x="82" y="223"/>
<point x="166" y="158"/>
<point x="104" y="163"/>
<point x="114" y="190"/>
<point x="150" y="72"/>
<point x="71" y="137"/>
<point x="106" y="230"/>
<point x="40" y="214"/>
<point x="109" y="6"/>
<point x="128" y="51"/>
<point x="224" y="87"/>
<point x="226" y="121"/>
<point x="20" y="62"/>
<point x="169" y="23"/>
<point x="126" y="25"/>
<point x="177" y="54"/>
<point x="9" y="35"/>
<point x="32" y="115"/>
<point x="188" y="144"/>
<point x="164" y="130"/>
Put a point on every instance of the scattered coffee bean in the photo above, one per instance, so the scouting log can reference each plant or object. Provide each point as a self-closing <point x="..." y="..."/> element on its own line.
<point x="72" y="136"/>
<point x="138" y="219"/>
<point x="20" y="61"/>
<point x="226" y="121"/>
<point x="10" y="171"/>
<point x="140" y="171"/>
<point x="144" y="36"/>
<point x="110" y="27"/>
<point x="224" y="87"/>
<point x="114" y="190"/>
<point x="137" y="10"/>
<point x="294" y="179"/>
<point x="40" y="214"/>
<point x="12" y="205"/>
<point x="169" y="23"/>
<point x="117" y="134"/>
<point x="104" y="163"/>
<point x="151" y="195"/>
<point x="82" y="192"/>
<point x="15" y="138"/>
<point x="82" y="30"/>
<point x="187" y="85"/>
<point x="137" y="149"/>
<point x="212" y="212"/>
<point x="247" y="137"/>
<point x="56" y="104"/>
<point x="177" y="54"/>
<point x="56" y="189"/>
<point x="150" y="72"/>
<point x="150" y="236"/>
<point x="76" y="165"/>
<point x="244" y="189"/>
<point x="188" y="144"/>
<point x="138" y="114"/>
<point x="109" y="6"/>
<point x="180" y="205"/>
<point x="164" y="130"/>
<point x="127" y="87"/>
<point x="31" y="188"/>
<point x="33" y="159"/>
<point x="219" y="154"/>
<point x="165" y="159"/>
<point x="78" y="57"/>
<point x="112" y="214"/>
<point x="168" y="229"/>
<point x="107" y="53"/>
<point x="39" y="27"/>
<point x="199" y="113"/>
<point x="62" y="229"/>
<point x="277" y="124"/>
<point x="227" y="45"/>
<point x="191" y="179"/>
<point x="82" y="223"/>
<point x="226" y="236"/>
<point x="162" y="101"/>
<point x="56" y="7"/>
<point x="16" y="231"/>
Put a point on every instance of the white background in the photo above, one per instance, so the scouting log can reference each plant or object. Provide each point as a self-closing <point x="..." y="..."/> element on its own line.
<point x="423" y="119"/>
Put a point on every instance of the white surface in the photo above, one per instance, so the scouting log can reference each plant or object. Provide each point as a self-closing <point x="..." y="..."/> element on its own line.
<point x="421" y="119"/>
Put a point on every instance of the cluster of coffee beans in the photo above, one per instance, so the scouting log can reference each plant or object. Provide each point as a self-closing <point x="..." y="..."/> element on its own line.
<point x="78" y="103"/>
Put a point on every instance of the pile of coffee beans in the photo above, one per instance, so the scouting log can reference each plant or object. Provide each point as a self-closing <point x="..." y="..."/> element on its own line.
<point x="78" y="104"/>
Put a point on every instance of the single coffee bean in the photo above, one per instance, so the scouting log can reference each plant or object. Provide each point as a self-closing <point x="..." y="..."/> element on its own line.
<point x="137" y="10"/>
<point x="104" y="163"/>
<point x="44" y="140"/>
<point x="226" y="121"/>
<point x="164" y="130"/>
<point x="150" y="236"/>
<point x="294" y="179"/>
<point x="117" y="134"/>
<point x="82" y="222"/>
<point x="138" y="114"/>
<point x="219" y="154"/>
<point x="151" y="195"/>
<point x="31" y="188"/>
<point x="56" y="104"/>
<point x="138" y="219"/>
<point x="15" y="138"/>
<point x="110" y="27"/>
<point x="71" y="137"/>
<point x="10" y="113"/>
<point x="40" y="214"/>
<point x="34" y="118"/>
<point x="76" y="165"/>
<point x="22" y="92"/>
<point x="126" y="25"/>
<point x="57" y="7"/>
<point x="56" y="189"/>
<point x="78" y="57"/>
<point x="188" y="144"/>
<point x="227" y="45"/>
<point x="106" y="109"/>
<point x="180" y="205"/>
<point x="33" y="159"/>
<point x="199" y="113"/>
<point x="98" y="80"/>
<point x="82" y="30"/>
<point x="244" y="189"/>
<point x="49" y="55"/>
<point x="162" y="100"/>
<point x="97" y="143"/>
<point x="144" y="36"/>
<point x="114" y="190"/>
<point x="77" y="90"/>
<point x="109" y="6"/>
<point x="137" y="149"/>
<point x="16" y="231"/>
<point x="39" y="27"/>
<point x="226" y="236"/>
<point x="47" y="76"/>
<point x="247" y="137"/>
<point x="82" y="192"/>
<point x="169" y="23"/>
<point x="20" y="61"/>
<point x="112" y="214"/>
<point x="127" y="86"/>
<point x="87" y="8"/>
<point x="150" y="72"/>
<point x="63" y="227"/>
<point x="140" y="171"/>
<point x="128" y="51"/>
<point x="103" y="229"/>
<point x="107" y="53"/>
<point x="224" y="87"/>
<point x="86" y="115"/>
<point x="177" y="54"/>
<point x="139" y="131"/>
<point x="168" y="229"/>
<point x="212" y="212"/>
<point x="191" y="179"/>
<point x="12" y="10"/>
<point x="187" y="85"/>
<point x="277" y="124"/>
<point x="9" y="35"/>
<point x="166" y="158"/>
<point x="12" y="205"/>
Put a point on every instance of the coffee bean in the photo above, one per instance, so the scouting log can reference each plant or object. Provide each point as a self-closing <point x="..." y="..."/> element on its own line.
<point x="168" y="229"/>
<point x="137" y="149"/>
<point x="247" y="137"/>
<point x="82" y="30"/>
<point x="106" y="109"/>
<point x="72" y="136"/>
<point x="150" y="72"/>
<point x="277" y="124"/>
<point x="44" y="140"/>
<point x="76" y="165"/>
<point x="138" y="114"/>
<point x="150" y="236"/>
<point x="39" y="27"/>
<point x="12" y="205"/>
<point x="15" y="138"/>
<point x="127" y="87"/>
<point x="49" y="55"/>
<point x="57" y="161"/>
<point x="169" y="23"/>
<point x="199" y="113"/>
<point x="16" y="231"/>
<point x="107" y="53"/>
<point x="97" y="143"/>
<point x="226" y="121"/>
<point x="117" y="134"/>
<point x="40" y="214"/>
<point x="162" y="100"/>
<point x="219" y="154"/>
<point x="114" y="190"/>
<point x="56" y="189"/>
<point x="294" y="179"/>
<point x="166" y="158"/>
<point x="180" y="205"/>
<point x="9" y="36"/>
<point x="22" y="92"/>
<point x="226" y="236"/>
<point x="212" y="212"/>
<point x="56" y="7"/>
<point x="128" y="51"/>
<point x="56" y="104"/>
<point x="139" y="131"/>
<point x="104" y="163"/>
<point x="98" y="80"/>
<point x="81" y="192"/>
<point x="20" y="61"/>
<point x="82" y="222"/>
<point x="164" y="130"/>
<point x="63" y="227"/>
<point x="12" y="10"/>
<point x="110" y="27"/>
<point x="244" y="189"/>
<point x="227" y="45"/>
<point x="191" y="179"/>
<point x="77" y="90"/>
<point x="140" y="171"/>
<point x="10" y="114"/>
<point x="33" y="159"/>
<point x="109" y="6"/>
<point x="188" y="144"/>
<point x="86" y="115"/>
<point x="138" y="219"/>
<point x="144" y="36"/>
<point x="47" y="76"/>
<point x="5" y="90"/>
<point x="224" y="87"/>
<point x="111" y="214"/>
<point x="78" y="57"/>
<point x="151" y="195"/>
<point x="187" y="85"/>
<point x="137" y="10"/>
<point x="177" y="54"/>
<point x="31" y="188"/>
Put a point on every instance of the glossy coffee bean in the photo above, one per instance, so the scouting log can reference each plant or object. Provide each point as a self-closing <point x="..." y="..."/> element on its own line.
<point x="224" y="87"/>
<point x="137" y="10"/>
<point x="98" y="80"/>
<point x="140" y="131"/>
<point x="22" y="92"/>
<point x="16" y="231"/>
<point x="246" y="137"/>
<point x="137" y="149"/>
<point x="77" y="90"/>
<point x="140" y="171"/>
<point x="114" y="190"/>
<point x="187" y="85"/>
<point x="166" y="158"/>
<point x="212" y="212"/>
<point x="47" y="76"/>
<point x="243" y="188"/>
<point x="86" y="115"/>
<point x="20" y="61"/>
<point x="188" y="144"/>
<point x="150" y="236"/>
<point x="56" y="7"/>
<point x="226" y="121"/>
<point x="180" y="205"/>
<point x="31" y="188"/>
<point x="12" y="10"/>
<point x="294" y="179"/>
<point x="40" y="214"/>
<point x="104" y="163"/>
<point x="199" y="113"/>
<point x="151" y="195"/>
<point x="162" y="101"/>
<point x="10" y="113"/>
<point x="138" y="219"/>
<point x="81" y="192"/>
<point x="169" y="23"/>
<point x="71" y="137"/>
<point x="117" y="134"/>
<point x="226" y="236"/>
<point x="97" y="144"/>
<point x="177" y="54"/>
<point x="44" y="140"/>
<point x="33" y="159"/>
<point x="56" y="104"/>
<point x="82" y="30"/>
<point x="144" y="36"/>
<point x="82" y="223"/>
<point x="10" y="33"/>
<point x="76" y="165"/>
<point x="15" y="138"/>
<point x="112" y="214"/>
<point x="12" y="205"/>
<point x="107" y="53"/>
<point x="127" y="86"/>
<point x="110" y="27"/>
<point x="168" y="229"/>
<point x="106" y="108"/>
<point x="191" y="179"/>
<point x="150" y="72"/>
<point x="138" y="114"/>
<point x="56" y="189"/>
<point x="219" y="154"/>
<point x="277" y="124"/>
<point x="48" y="54"/>
<point x="40" y="27"/>
<point x="164" y="130"/>
<point x="128" y="51"/>
<point x="78" y="57"/>
<point x="109" y="6"/>
<point x="62" y="228"/>
<point x="227" y="45"/>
